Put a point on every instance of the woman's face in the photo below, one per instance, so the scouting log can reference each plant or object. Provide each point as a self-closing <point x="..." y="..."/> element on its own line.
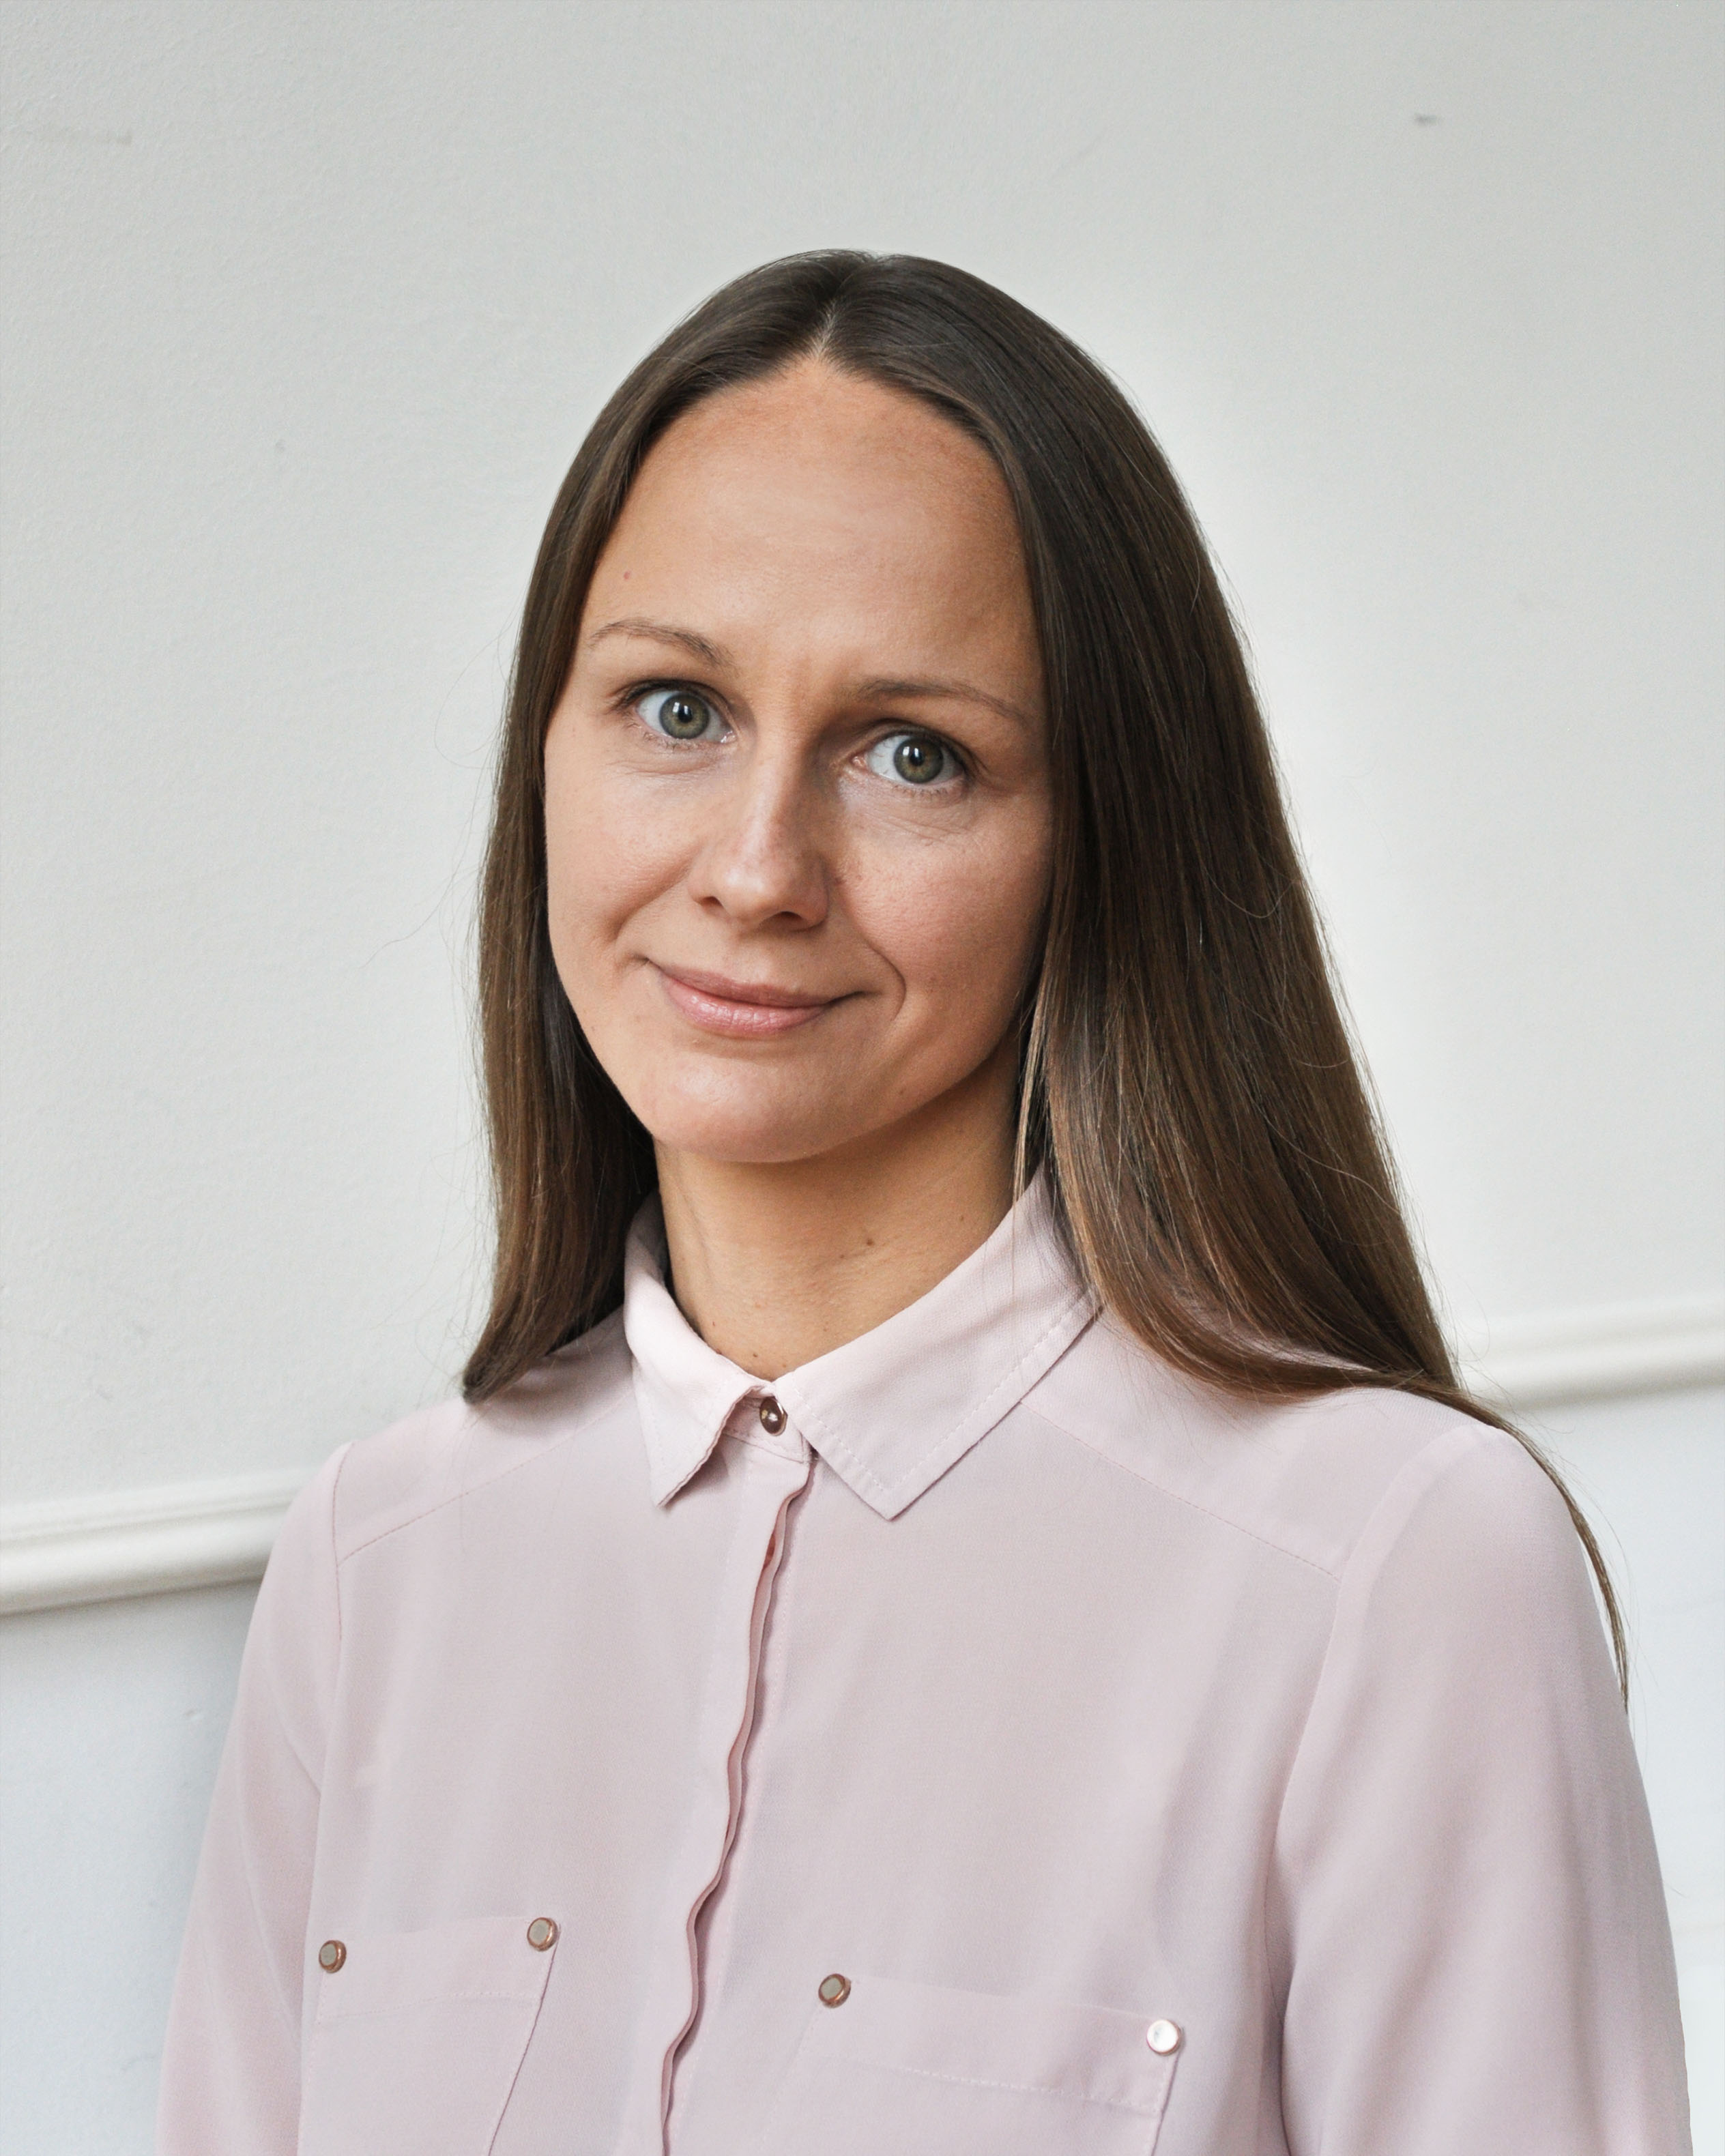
<point x="797" y="803"/>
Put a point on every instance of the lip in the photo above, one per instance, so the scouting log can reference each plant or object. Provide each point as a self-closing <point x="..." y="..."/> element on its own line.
<point x="740" y="1010"/>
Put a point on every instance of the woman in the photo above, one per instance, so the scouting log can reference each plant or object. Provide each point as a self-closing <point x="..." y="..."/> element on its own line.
<point x="963" y="1609"/>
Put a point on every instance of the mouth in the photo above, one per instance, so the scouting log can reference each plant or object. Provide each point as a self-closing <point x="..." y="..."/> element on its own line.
<point x="740" y="1010"/>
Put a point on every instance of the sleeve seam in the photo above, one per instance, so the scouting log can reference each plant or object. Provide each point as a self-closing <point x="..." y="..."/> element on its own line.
<point x="1423" y="1472"/>
<point x="335" y="1542"/>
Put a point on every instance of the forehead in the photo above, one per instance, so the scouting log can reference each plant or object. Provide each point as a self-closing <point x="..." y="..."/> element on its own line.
<point x="817" y="480"/>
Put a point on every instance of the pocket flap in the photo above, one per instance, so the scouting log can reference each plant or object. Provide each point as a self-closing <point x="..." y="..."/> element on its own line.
<point x="1011" y="2067"/>
<point x="391" y="1972"/>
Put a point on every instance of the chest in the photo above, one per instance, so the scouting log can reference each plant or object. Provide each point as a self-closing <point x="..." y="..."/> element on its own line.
<point x="1008" y="1765"/>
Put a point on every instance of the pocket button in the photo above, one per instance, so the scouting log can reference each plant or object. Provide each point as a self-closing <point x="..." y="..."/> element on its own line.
<point x="1164" y="2036"/>
<point x="833" y="1990"/>
<point x="542" y="1934"/>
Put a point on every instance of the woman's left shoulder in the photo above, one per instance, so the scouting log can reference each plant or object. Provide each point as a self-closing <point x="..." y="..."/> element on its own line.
<point x="1472" y="1519"/>
<point x="1332" y="1480"/>
<point x="1431" y="1510"/>
<point x="1462" y="1578"/>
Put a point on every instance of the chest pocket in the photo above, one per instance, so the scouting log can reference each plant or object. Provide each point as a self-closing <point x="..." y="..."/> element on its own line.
<point x="920" y="2071"/>
<point x="419" y="2037"/>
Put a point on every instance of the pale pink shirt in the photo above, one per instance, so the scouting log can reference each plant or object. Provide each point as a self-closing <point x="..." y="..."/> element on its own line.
<point x="1147" y="1772"/>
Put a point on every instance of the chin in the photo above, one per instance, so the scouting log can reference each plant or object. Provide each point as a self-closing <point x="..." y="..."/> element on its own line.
<point x="752" y="1125"/>
<point x="745" y="1141"/>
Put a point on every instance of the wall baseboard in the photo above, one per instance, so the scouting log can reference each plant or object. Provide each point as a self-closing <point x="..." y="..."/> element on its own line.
<point x="212" y="1534"/>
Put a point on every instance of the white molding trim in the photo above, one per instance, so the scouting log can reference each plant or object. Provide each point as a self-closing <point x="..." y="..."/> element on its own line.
<point x="1608" y="1352"/>
<point x="211" y="1534"/>
<point x="141" y="1542"/>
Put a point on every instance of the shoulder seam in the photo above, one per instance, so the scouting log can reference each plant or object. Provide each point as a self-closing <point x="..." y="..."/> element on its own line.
<point x="452" y="1496"/>
<point x="1179" y="1497"/>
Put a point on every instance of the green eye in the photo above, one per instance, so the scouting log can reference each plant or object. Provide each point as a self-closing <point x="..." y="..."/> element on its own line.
<point x="680" y="715"/>
<point x="913" y="759"/>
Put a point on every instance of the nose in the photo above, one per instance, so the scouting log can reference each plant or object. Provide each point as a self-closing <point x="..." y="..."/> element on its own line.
<point x="764" y="858"/>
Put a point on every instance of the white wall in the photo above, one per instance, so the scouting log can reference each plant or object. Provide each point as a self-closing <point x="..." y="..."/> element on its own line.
<point x="307" y="307"/>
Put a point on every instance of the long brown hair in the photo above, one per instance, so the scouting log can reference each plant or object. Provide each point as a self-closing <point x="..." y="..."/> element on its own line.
<point x="1189" y="1090"/>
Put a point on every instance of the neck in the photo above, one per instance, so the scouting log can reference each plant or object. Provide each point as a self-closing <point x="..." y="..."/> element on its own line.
<point x="776" y="1263"/>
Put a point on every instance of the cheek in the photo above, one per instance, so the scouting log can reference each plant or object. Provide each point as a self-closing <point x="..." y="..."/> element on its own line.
<point x="962" y="929"/>
<point x="604" y="860"/>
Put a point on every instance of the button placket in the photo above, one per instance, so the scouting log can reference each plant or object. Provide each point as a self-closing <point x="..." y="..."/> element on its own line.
<point x="771" y="1479"/>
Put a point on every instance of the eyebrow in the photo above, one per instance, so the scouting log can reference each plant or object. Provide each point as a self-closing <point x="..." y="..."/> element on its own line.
<point x="883" y="689"/>
<point x="888" y="691"/>
<point x="664" y="632"/>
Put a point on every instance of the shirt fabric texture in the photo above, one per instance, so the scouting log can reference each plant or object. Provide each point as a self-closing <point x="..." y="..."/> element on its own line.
<point x="1033" y="1690"/>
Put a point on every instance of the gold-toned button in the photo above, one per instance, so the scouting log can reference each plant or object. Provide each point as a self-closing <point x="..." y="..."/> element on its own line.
<point x="542" y="1934"/>
<point x="772" y="1420"/>
<point x="330" y="1955"/>
<point x="1164" y="2036"/>
<point x="834" y="1990"/>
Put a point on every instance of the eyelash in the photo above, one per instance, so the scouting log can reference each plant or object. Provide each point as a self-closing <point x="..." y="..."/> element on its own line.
<point x="633" y="697"/>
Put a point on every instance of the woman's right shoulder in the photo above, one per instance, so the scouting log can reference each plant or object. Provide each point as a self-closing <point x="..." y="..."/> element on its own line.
<point x="373" y="1486"/>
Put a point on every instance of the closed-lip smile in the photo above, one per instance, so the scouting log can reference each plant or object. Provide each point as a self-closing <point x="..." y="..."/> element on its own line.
<point x="744" y="1010"/>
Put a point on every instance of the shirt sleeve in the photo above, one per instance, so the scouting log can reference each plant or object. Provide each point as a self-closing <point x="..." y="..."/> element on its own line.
<point x="1467" y="1908"/>
<point x="230" y="2079"/>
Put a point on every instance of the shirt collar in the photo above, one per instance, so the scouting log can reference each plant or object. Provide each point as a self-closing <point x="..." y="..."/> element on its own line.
<point x="890" y="1412"/>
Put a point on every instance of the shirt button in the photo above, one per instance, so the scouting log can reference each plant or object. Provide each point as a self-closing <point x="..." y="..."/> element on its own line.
<point x="834" y="1990"/>
<point x="773" y="1418"/>
<point x="1164" y="2036"/>
<point x="542" y="1934"/>
<point x="330" y="1955"/>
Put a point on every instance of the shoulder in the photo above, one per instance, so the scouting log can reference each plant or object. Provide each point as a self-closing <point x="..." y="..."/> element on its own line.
<point x="446" y="1452"/>
<point x="366" y="1490"/>
<point x="1335" y="1481"/>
